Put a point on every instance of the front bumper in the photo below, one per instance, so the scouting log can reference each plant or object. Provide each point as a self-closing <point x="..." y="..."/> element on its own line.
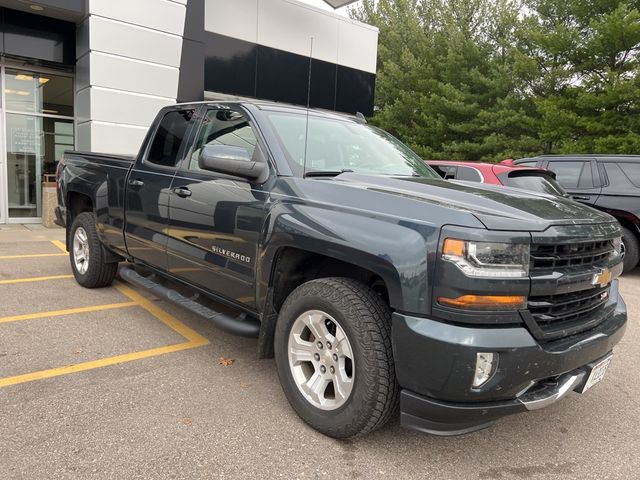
<point x="435" y="364"/>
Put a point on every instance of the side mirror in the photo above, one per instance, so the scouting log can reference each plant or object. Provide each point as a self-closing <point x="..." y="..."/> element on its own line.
<point x="231" y="161"/>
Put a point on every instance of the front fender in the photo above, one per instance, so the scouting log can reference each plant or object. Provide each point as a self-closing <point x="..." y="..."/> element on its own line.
<point x="396" y="250"/>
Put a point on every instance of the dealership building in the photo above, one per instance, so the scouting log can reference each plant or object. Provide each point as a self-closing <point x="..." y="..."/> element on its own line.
<point x="92" y="74"/>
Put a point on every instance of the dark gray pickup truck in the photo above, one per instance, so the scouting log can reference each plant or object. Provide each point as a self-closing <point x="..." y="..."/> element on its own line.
<point x="370" y="279"/>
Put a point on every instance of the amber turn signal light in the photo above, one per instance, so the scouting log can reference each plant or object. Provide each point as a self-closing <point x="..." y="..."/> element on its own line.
<point x="454" y="247"/>
<point x="485" y="302"/>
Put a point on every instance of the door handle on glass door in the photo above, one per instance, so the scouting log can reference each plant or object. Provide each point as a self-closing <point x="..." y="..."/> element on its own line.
<point x="182" y="192"/>
<point x="136" y="182"/>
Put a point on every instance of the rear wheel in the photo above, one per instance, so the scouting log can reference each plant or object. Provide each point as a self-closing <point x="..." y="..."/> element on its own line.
<point x="87" y="254"/>
<point x="630" y="250"/>
<point x="334" y="357"/>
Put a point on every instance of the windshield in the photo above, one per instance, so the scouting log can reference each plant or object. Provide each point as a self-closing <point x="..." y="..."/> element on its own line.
<point x="336" y="145"/>
<point x="533" y="182"/>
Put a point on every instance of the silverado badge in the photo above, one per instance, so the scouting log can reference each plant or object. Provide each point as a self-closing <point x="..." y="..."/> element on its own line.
<point x="602" y="278"/>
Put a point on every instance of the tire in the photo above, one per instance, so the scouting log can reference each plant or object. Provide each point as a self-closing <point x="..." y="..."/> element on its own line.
<point x="631" y="250"/>
<point x="93" y="272"/>
<point x="363" y="317"/>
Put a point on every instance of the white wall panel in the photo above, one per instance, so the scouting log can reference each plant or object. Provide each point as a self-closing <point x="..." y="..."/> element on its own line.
<point x="357" y="46"/>
<point x="83" y="137"/>
<point x="162" y="15"/>
<point x="236" y="18"/>
<point x="289" y="26"/>
<point x="115" y="106"/>
<point x="83" y="72"/>
<point x="82" y="38"/>
<point x="132" y="75"/>
<point x="83" y="105"/>
<point x="132" y="41"/>
<point x="110" y="137"/>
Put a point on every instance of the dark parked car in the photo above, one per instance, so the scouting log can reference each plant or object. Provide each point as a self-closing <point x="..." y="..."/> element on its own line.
<point x="610" y="183"/>
<point x="371" y="280"/>
<point x="528" y="178"/>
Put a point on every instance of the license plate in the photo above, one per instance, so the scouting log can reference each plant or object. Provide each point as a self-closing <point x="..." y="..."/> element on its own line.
<point x="597" y="373"/>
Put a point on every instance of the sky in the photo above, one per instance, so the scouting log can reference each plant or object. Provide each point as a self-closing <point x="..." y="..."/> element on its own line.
<point x="325" y="6"/>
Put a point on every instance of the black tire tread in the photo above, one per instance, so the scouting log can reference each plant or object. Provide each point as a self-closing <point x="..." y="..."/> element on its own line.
<point x="373" y="320"/>
<point x="100" y="274"/>
<point x="632" y="250"/>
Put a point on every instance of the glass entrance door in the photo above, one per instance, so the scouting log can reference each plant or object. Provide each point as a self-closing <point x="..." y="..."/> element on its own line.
<point x="38" y="129"/>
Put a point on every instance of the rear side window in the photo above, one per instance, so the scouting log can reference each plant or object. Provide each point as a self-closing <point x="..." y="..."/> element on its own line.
<point x="632" y="171"/>
<point x="573" y="174"/>
<point x="533" y="182"/>
<point x="469" y="174"/>
<point x="532" y="163"/>
<point x="617" y="177"/>
<point x="169" y="137"/>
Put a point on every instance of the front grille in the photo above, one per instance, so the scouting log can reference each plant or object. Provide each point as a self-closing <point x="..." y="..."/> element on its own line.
<point x="569" y="313"/>
<point x="552" y="257"/>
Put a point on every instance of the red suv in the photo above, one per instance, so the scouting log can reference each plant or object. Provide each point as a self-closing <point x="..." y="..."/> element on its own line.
<point x="527" y="178"/>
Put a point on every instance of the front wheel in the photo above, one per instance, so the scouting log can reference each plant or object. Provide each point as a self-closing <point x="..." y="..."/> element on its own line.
<point x="334" y="357"/>
<point x="87" y="254"/>
<point x="630" y="250"/>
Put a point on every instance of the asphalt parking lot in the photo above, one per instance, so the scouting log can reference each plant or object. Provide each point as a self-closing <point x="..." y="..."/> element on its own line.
<point x="112" y="384"/>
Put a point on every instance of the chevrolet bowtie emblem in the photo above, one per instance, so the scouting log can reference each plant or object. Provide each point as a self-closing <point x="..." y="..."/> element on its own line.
<point x="602" y="278"/>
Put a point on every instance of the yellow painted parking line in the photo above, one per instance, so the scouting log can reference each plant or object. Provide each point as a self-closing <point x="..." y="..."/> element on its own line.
<point x="60" y="245"/>
<point x="84" y="366"/>
<point x="66" y="311"/>
<point x="193" y="337"/>
<point x="170" y="321"/>
<point x="34" y="279"/>
<point x="32" y="255"/>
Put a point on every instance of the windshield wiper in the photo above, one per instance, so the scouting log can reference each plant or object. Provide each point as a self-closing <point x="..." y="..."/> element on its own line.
<point x="327" y="173"/>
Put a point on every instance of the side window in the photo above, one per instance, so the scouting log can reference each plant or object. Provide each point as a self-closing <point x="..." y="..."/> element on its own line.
<point x="586" y="178"/>
<point x="469" y="174"/>
<point x="569" y="173"/>
<point x="533" y="163"/>
<point x="632" y="171"/>
<point x="223" y="127"/>
<point x="617" y="178"/>
<point x="168" y="138"/>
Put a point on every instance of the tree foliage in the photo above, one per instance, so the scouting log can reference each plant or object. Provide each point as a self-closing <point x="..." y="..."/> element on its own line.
<point x="491" y="79"/>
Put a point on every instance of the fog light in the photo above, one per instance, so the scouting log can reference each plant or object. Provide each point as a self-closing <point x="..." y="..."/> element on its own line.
<point x="486" y="365"/>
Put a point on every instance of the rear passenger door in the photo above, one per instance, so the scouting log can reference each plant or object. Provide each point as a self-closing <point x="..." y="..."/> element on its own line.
<point x="148" y="187"/>
<point x="622" y="187"/>
<point x="579" y="177"/>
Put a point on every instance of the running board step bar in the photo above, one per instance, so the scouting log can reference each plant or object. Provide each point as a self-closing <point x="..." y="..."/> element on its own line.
<point x="240" y="325"/>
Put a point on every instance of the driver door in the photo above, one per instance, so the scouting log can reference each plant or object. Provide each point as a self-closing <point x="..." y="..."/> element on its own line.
<point x="215" y="219"/>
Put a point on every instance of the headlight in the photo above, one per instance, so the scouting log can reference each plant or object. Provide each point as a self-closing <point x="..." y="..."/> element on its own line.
<point x="487" y="259"/>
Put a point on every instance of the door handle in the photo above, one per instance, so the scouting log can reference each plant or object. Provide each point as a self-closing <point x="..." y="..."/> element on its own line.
<point x="136" y="182"/>
<point x="183" y="192"/>
<point x="580" y="197"/>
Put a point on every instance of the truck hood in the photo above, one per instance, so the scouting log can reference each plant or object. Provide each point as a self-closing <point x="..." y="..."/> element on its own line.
<point x="497" y="207"/>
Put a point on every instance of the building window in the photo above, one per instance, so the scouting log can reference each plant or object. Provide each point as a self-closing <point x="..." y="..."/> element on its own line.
<point x="38" y="110"/>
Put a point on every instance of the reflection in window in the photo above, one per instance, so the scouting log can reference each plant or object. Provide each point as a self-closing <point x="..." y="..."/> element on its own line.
<point x="44" y="93"/>
<point x="336" y="144"/>
<point x="224" y="127"/>
<point x="34" y="146"/>
<point x="567" y="173"/>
